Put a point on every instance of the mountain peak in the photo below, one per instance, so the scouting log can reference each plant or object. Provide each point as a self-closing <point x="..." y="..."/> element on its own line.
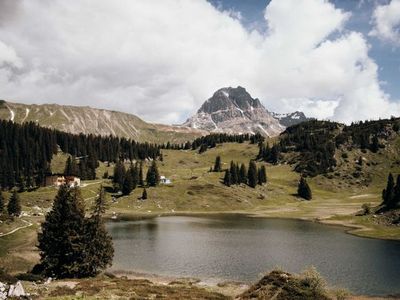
<point x="230" y="98"/>
<point x="233" y="110"/>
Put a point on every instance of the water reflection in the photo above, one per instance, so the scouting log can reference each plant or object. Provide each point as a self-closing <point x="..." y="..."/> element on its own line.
<point x="242" y="248"/>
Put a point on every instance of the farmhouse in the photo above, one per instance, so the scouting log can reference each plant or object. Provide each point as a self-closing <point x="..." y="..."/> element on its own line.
<point x="58" y="180"/>
<point x="164" y="180"/>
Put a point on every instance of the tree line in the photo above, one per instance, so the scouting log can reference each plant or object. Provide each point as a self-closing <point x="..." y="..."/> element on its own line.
<point x="127" y="180"/>
<point x="237" y="175"/>
<point x="316" y="142"/>
<point x="26" y="151"/>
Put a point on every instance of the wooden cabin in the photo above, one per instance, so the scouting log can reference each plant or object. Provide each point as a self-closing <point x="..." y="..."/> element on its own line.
<point x="58" y="180"/>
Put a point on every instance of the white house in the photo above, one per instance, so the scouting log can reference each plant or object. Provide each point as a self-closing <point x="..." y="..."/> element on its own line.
<point x="164" y="180"/>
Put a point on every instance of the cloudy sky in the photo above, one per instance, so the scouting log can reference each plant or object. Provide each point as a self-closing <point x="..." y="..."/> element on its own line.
<point x="161" y="59"/>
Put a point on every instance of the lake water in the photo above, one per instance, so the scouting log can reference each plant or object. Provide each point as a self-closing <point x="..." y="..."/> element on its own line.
<point x="241" y="248"/>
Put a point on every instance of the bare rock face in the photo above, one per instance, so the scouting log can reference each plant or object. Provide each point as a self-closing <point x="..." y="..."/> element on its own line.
<point x="234" y="111"/>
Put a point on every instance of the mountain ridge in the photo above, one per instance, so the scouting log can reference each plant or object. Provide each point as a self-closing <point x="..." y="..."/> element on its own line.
<point x="88" y="120"/>
<point x="229" y="110"/>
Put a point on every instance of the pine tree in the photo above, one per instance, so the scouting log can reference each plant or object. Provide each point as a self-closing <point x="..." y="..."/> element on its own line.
<point x="227" y="178"/>
<point x="153" y="177"/>
<point x="217" y="165"/>
<point x="374" y="147"/>
<point x="62" y="241"/>
<point x="243" y="174"/>
<point x="71" y="169"/>
<point x="144" y="194"/>
<point x="274" y="156"/>
<point x="262" y="175"/>
<point x="99" y="249"/>
<point x="388" y="193"/>
<point x="119" y="175"/>
<point x="391" y="195"/>
<point x="127" y="186"/>
<point x="303" y="189"/>
<point x="2" y="204"/>
<point x="135" y="175"/>
<point x="252" y="175"/>
<point x="203" y="148"/>
<point x="14" y="206"/>
<point x="396" y="197"/>
<point x="234" y="174"/>
<point x="141" y="181"/>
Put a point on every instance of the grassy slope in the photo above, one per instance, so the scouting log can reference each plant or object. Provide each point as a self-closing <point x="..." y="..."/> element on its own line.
<point x="335" y="199"/>
<point x="195" y="190"/>
<point x="89" y="120"/>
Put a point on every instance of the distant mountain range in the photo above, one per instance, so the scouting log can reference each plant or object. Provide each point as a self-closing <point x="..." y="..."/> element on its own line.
<point x="229" y="110"/>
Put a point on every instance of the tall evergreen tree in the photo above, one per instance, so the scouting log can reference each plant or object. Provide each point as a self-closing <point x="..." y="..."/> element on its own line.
<point x="374" y="147"/>
<point x="252" y="175"/>
<point x="135" y="175"/>
<point x="14" y="206"/>
<point x="99" y="249"/>
<point x="62" y="241"/>
<point x="388" y="193"/>
<point x="396" y="198"/>
<point x="153" y="177"/>
<point x="2" y="202"/>
<point x="144" y="194"/>
<point x="217" y="165"/>
<point x="141" y="180"/>
<point x="127" y="186"/>
<point x="227" y="178"/>
<point x="243" y="174"/>
<point x="262" y="175"/>
<point x="119" y="175"/>
<point x="303" y="189"/>
<point x="234" y="174"/>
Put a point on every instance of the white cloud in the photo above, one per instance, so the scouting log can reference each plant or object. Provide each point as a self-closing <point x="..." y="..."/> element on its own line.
<point x="386" y="21"/>
<point x="8" y="56"/>
<point x="162" y="59"/>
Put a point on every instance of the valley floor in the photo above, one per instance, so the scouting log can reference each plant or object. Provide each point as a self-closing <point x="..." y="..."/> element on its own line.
<point x="195" y="190"/>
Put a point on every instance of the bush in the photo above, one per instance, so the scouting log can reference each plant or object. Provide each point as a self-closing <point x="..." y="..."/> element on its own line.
<point x="314" y="280"/>
<point x="5" y="277"/>
<point x="366" y="207"/>
<point x="341" y="294"/>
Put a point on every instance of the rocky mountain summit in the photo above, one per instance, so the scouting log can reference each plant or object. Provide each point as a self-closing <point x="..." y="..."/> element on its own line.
<point x="233" y="110"/>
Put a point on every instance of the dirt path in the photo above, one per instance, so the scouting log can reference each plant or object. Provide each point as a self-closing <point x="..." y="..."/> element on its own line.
<point x="28" y="224"/>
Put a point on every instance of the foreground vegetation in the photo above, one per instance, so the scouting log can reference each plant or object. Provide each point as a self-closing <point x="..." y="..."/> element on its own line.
<point x="348" y="194"/>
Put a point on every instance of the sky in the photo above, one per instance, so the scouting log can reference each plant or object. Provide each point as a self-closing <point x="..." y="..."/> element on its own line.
<point x="161" y="59"/>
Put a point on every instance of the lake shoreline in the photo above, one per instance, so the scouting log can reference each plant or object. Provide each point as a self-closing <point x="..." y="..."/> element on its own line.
<point x="348" y="227"/>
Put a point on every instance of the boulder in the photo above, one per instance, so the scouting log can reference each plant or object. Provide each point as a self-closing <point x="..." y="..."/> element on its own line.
<point x="16" y="290"/>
